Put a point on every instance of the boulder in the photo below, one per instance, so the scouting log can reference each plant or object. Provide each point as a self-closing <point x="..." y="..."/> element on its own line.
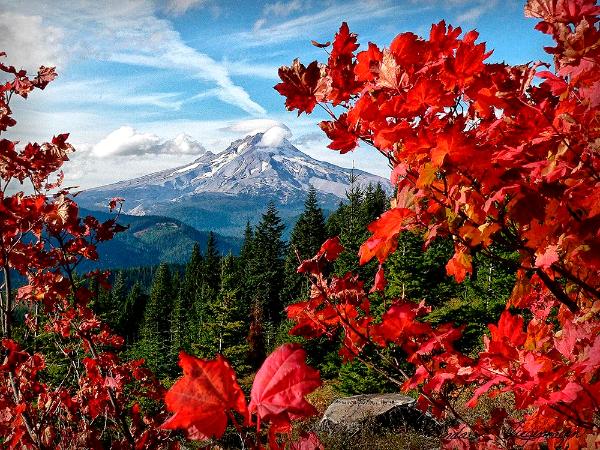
<point x="360" y="412"/>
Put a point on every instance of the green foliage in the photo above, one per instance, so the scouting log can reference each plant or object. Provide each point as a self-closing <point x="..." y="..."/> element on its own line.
<point x="155" y="332"/>
<point x="264" y="282"/>
<point x="356" y="378"/>
<point x="419" y="274"/>
<point x="350" y="221"/>
<point x="306" y="238"/>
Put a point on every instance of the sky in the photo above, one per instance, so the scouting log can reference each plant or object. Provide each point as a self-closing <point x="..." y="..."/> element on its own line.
<point x="147" y="85"/>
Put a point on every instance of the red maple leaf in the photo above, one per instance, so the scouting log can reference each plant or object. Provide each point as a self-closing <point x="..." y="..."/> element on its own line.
<point x="385" y="234"/>
<point x="342" y="138"/>
<point x="280" y="386"/>
<point x="298" y="85"/>
<point x="203" y="397"/>
<point x="459" y="265"/>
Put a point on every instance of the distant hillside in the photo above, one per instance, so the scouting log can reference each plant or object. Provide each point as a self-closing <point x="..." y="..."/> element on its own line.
<point x="151" y="240"/>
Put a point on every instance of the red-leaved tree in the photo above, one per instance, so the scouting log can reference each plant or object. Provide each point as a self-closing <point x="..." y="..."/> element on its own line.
<point x="499" y="157"/>
<point x="42" y="240"/>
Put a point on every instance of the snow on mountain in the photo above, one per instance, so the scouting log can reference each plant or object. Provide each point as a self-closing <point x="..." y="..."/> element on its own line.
<point x="251" y="170"/>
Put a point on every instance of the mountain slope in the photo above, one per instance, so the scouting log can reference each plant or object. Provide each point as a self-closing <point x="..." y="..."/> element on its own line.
<point x="221" y="191"/>
<point x="151" y="240"/>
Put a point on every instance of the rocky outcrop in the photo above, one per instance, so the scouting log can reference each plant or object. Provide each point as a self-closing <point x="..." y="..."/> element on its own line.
<point x="370" y="411"/>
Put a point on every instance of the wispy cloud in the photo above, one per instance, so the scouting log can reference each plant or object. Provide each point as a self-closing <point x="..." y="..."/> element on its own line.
<point x="127" y="32"/>
<point x="475" y="11"/>
<point x="283" y="9"/>
<point x="109" y="92"/>
<point x="308" y="24"/>
<point x="252" y="69"/>
<point x="179" y="7"/>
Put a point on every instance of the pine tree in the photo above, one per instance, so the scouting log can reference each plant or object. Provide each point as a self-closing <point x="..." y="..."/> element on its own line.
<point x="265" y="278"/>
<point x="243" y="267"/>
<point x="212" y="258"/>
<point x="352" y="227"/>
<point x="131" y="313"/>
<point x="184" y="321"/>
<point x="155" y="330"/>
<point x="226" y="323"/>
<point x="307" y="237"/>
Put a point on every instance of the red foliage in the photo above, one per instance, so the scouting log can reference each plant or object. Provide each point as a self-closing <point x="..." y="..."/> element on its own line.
<point x="486" y="155"/>
<point x="43" y="238"/>
<point x="204" y="397"/>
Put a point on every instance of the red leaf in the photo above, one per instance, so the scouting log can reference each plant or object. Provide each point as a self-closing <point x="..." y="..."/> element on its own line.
<point x="298" y="85"/>
<point x="319" y="45"/>
<point x="368" y="63"/>
<point x="280" y="386"/>
<point x="308" y="441"/>
<point x="203" y="397"/>
<point x="459" y="265"/>
<point x="380" y="281"/>
<point x="344" y="43"/>
<point x="509" y="327"/>
<point x="338" y="131"/>
<point x="385" y="233"/>
<point x="567" y="395"/>
<point x="331" y="249"/>
<point x="549" y="257"/>
<point x="113" y="202"/>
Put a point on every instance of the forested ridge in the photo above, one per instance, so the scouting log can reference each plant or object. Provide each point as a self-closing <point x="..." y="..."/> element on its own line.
<point x="232" y="305"/>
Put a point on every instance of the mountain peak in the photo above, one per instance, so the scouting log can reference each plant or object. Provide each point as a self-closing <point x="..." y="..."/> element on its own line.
<point x="257" y="167"/>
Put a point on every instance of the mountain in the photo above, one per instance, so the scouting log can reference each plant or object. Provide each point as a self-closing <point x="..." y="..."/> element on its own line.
<point x="151" y="240"/>
<point x="221" y="191"/>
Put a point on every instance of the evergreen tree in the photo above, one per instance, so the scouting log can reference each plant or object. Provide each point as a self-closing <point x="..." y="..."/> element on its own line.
<point x="265" y="276"/>
<point x="184" y="326"/>
<point x="246" y="250"/>
<point x="212" y="258"/>
<point x="243" y="267"/>
<point x="155" y="331"/>
<point x="131" y="313"/>
<point x="226" y="324"/>
<point x="307" y="237"/>
<point x="416" y="274"/>
<point x="352" y="230"/>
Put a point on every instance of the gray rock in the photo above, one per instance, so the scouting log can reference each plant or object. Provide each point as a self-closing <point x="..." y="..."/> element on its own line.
<point x="369" y="411"/>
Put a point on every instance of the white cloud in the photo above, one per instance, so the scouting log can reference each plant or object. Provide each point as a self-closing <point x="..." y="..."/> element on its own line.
<point x="129" y="32"/>
<point x="274" y="136"/>
<point x="108" y="92"/>
<point x="259" y="24"/>
<point x="253" y="126"/>
<point x="474" y="12"/>
<point x="126" y="141"/>
<point x="282" y="9"/>
<point x="179" y="7"/>
<point x="28" y="42"/>
<point x="252" y="69"/>
<point x="307" y="25"/>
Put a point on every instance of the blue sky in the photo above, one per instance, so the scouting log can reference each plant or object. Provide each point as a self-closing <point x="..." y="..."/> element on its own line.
<point x="134" y="75"/>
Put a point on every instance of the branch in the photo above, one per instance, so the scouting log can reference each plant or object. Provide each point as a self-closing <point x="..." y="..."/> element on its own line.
<point x="558" y="292"/>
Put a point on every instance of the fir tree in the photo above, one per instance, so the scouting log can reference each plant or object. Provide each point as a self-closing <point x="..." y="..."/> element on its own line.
<point x="307" y="237"/>
<point x="265" y="276"/>
<point x="131" y="314"/>
<point x="184" y="323"/>
<point x="212" y="258"/>
<point x="226" y="323"/>
<point x="155" y="330"/>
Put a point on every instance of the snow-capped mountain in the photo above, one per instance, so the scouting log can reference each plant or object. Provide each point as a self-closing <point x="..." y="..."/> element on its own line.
<point x="220" y="191"/>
